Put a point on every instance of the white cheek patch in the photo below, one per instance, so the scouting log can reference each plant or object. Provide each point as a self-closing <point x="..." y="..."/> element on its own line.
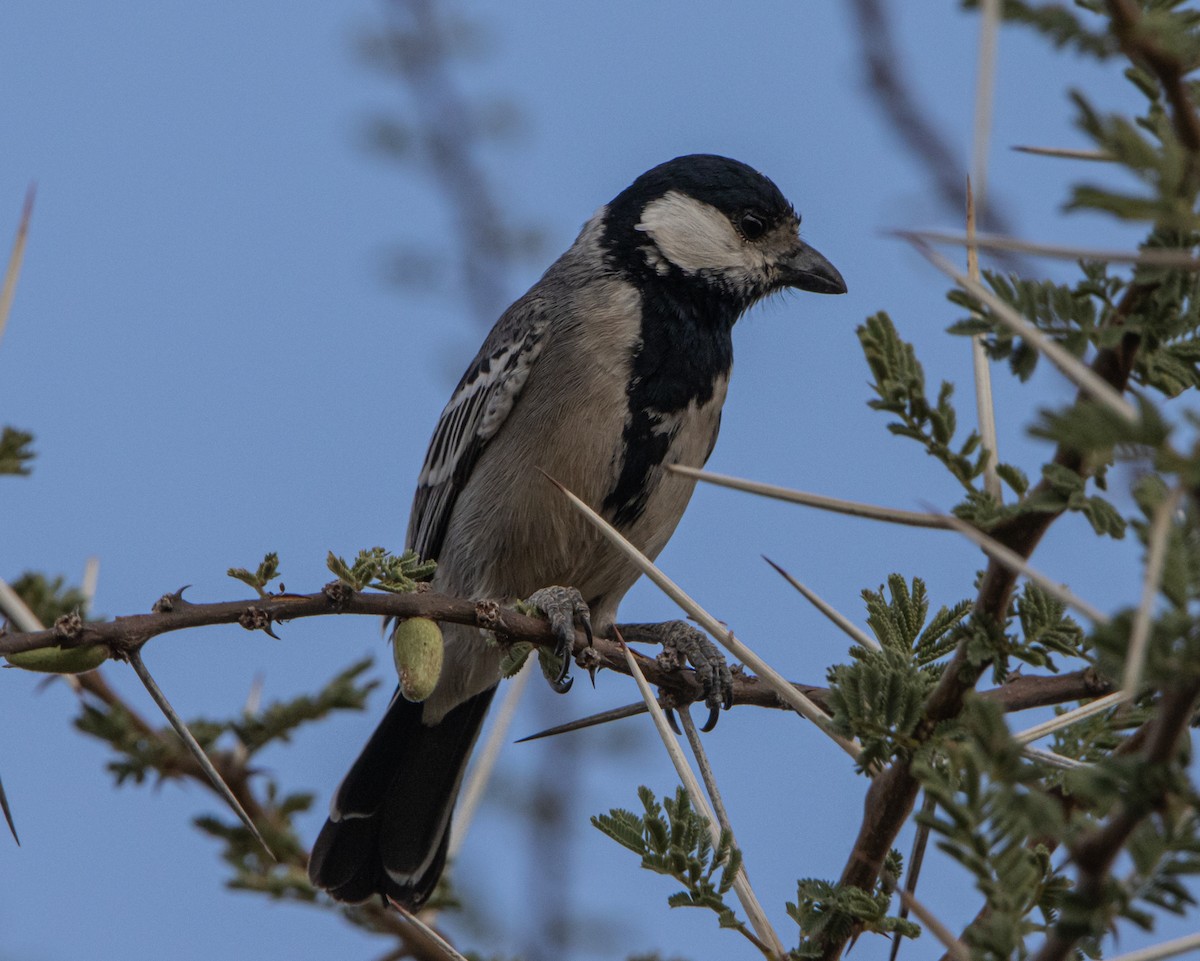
<point x="695" y="236"/>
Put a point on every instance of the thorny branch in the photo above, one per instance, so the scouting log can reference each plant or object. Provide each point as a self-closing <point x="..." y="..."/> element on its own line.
<point x="1095" y="853"/>
<point x="124" y="634"/>
<point x="173" y="613"/>
<point x="237" y="776"/>
<point x="1135" y="742"/>
<point x="892" y="794"/>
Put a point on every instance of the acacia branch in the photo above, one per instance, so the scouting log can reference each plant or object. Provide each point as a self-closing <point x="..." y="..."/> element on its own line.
<point x="1143" y="48"/>
<point x="1096" y="851"/>
<point x="1070" y="803"/>
<point x="233" y="771"/>
<point x="892" y="794"/>
<point x="123" y="635"/>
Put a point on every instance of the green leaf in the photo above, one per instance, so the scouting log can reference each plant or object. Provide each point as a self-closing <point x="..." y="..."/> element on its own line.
<point x="514" y="658"/>
<point x="49" y="598"/>
<point x="379" y="568"/>
<point x="899" y="384"/>
<point x="15" y="451"/>
<point x="277" y="721"/>
<point x="673" y="839"/>
<point x="267" y="571"/>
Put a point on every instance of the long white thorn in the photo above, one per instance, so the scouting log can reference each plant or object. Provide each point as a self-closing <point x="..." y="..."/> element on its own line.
<point x="91" y="579"/>
<point x="891" y="515"/>
<point x="1151" y="257"/>
<point x="1054" y="760"/>
<point x="839" y="619"/>
<point x="1014" y="561"/>
<point x="1078" y="372"/>
<point x="1156" y="552"/>
<point x="741" y="885"/>
<point x="1067" y="718"/>
<point x="481" y="771"/>
<point x="17" y="611"/>
<point x="1168" y="949"/>
<point x="985" y="84"/>
<point x="13" y="270"/>
<point x="953" y="946"/>
<point x="1066" y="153"/>
<point x="427" y="937"/>
<point x="193" y="747"/>
<point x="985" y="404"/>
<point x="725" y="637"/>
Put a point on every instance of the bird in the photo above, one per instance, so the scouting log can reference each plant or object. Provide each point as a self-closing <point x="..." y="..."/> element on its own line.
<point x="612" y="367"/>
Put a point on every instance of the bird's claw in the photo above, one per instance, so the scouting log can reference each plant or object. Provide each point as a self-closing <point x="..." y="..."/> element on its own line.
<point x="564" y="607"/>
<point x="681" y="641"/>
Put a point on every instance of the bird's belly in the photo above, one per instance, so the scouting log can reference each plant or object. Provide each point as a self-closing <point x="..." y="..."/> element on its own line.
<point x="513" y="531"/>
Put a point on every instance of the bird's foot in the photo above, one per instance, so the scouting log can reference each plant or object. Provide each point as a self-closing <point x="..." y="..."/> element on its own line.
<point x="564" y="608"/>
<point x="683" y="642"/>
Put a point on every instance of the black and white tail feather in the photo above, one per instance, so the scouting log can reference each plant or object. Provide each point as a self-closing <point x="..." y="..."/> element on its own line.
<point x="612" y="366"/>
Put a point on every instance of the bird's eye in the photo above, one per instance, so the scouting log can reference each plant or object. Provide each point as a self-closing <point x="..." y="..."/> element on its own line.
<point x="752" y="226"/>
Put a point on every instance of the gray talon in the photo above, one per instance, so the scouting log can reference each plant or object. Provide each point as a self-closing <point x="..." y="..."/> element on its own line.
<point x="564" y="607"/>
<point x="682" y="641"/>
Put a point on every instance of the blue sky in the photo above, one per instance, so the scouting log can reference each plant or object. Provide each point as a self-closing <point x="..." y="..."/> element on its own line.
<point x="214" y="366"/>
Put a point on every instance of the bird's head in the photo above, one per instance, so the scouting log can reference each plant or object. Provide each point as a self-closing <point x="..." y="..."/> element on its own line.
<point x="715" y="225"/>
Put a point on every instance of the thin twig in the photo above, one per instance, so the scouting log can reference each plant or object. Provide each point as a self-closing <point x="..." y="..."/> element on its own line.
<point x="1079" y="373"/>
<point x="1156" y="552"/>
<point x="854" y="508"/>
<point x="125" y="633"/>
<point x="1144" y="47"/>
<point x="911" y="121"/>
<point x="719" y="631"/>
<point x="839" y="619"/>
<point x="706" y="772"/>
<point x="916" y="859"/>
<point x="1014" y="561"/>
<point x="194" y="748"/>
<point x="767" y="941"/>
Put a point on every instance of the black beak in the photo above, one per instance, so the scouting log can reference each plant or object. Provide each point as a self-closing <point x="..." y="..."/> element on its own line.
<point x="805" y="269"/>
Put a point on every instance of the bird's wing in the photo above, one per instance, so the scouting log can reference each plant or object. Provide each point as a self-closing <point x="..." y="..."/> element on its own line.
<point x="476" y="411"/>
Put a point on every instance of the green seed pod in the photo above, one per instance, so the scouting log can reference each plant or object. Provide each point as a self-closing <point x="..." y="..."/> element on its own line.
<point x="417" y="649"/>
<point x="60" y="660"/>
